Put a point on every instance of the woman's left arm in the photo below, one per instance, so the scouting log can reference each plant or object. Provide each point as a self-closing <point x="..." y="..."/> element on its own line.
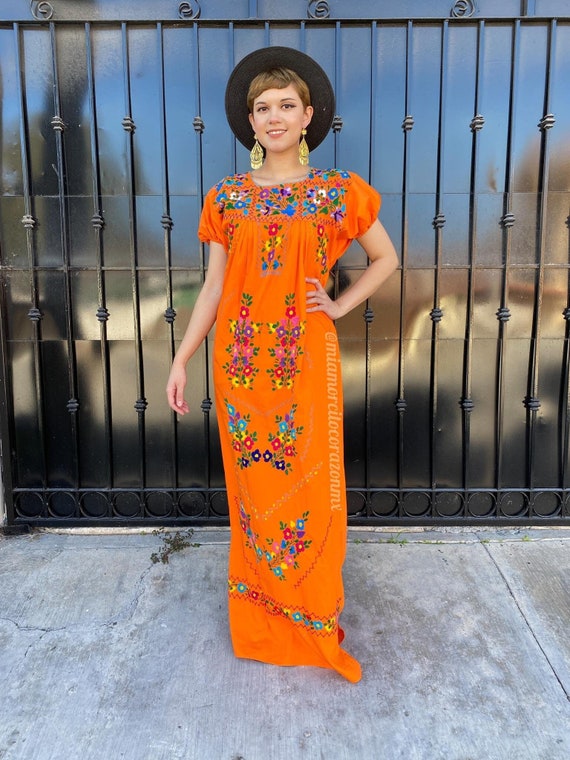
<point x="383" y="261"/>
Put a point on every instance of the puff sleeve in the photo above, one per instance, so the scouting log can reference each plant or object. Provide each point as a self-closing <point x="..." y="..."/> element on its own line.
<point x="362" y="207"/>
<point x="211" y="227"/>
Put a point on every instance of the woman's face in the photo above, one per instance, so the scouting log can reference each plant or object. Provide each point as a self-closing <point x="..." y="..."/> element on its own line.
<point x="278" y="118"/>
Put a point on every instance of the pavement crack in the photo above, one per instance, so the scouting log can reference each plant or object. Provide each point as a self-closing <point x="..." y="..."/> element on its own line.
<point x="526" y="621"/>
<point x="125" y="612"/>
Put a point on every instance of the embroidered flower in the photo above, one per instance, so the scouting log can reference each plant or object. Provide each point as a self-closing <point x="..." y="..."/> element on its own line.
<point x="271" y="249"/>
<point x="243" y="440"/>
<point x="283" y="443"/>
<point x="287" y="349"/>
<point x="284" y="554"/>
<point x="324" y="627"/>
<point x="243" y="350"/>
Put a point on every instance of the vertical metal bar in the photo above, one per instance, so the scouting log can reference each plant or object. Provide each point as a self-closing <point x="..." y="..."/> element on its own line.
<point x="232" y="57"/>
<point x="528" y="8"/>
<point x="507" y="222"/>
<point x="6" y="411"/>
<point x="532" y="400"/>
<point x="29" y="221"/>
<point x="564" y="414"/>
<point x="167" y="224"/>
<point x="436" y="313"/>
<point x="368" y="311"/>
<point x="336" y="133"/>
<point x="467" y="403"/>
<point x="129" y="126"/>
<point x="337" y="79"/>
<point x="401" y="405"/>
<point x="58" y="125"/>
<point x="97" y="221"/>
<point x="207" y="402"/>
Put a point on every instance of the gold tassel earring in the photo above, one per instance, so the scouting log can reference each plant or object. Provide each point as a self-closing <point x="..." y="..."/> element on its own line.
<point x="303" y="149"/>
<point x="256" y="155"/>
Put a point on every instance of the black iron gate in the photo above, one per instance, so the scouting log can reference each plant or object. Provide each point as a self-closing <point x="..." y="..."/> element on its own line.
<point x="456" y="375"/>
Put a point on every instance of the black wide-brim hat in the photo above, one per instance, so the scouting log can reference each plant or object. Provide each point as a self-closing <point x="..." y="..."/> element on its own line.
<point x="264" y="59"/>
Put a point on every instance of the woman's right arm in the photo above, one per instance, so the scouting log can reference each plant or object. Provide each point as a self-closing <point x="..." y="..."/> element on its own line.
<point x="201" y="322"/>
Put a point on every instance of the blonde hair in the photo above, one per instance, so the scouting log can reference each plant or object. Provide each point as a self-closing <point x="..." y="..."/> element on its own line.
<point x="277" y="78"/>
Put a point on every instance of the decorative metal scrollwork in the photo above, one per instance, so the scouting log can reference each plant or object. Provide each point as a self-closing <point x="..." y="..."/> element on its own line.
<point x="463" y="9"/>
<point x="73" y="405"/>
<point x="477" y="123"/>
<point x="503" y="314"/>
<point x="438" y="221"/>
<point x="318" y="9"/>
<point x="141" y="405"/>
<point x="58" y="124"/>
<point x="28" y="221"/>
<point x="41" y="10"/>
<point x="128" y="124"/>
<point x="401" y="405"/>
<point x="547" y="122"/>
<point x="189" y="10"/>
<point x="531" y="403"/>
<point x="337" y="124"/>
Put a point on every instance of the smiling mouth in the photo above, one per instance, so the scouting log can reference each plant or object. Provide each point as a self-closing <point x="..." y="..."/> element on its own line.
<point x="276" y="132"/>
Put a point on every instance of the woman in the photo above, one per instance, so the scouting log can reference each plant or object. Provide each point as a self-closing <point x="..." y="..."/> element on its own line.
<point x="274" y="234"/>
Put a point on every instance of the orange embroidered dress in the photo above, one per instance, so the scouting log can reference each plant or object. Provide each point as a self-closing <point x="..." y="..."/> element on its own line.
<point x="279" y="404"/>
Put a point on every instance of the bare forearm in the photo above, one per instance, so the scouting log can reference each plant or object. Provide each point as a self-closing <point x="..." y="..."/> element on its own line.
<point x="201" y="322"/>
<point x="367" y="284"/>
<point x="383" y="261"/>
<point x="206" y="307"/>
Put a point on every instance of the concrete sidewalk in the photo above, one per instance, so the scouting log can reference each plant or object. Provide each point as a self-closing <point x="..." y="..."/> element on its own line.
<point x="463" y="637"/>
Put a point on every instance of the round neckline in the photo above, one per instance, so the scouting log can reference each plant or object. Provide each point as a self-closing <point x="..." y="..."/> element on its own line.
<point x="287" y="183"/>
